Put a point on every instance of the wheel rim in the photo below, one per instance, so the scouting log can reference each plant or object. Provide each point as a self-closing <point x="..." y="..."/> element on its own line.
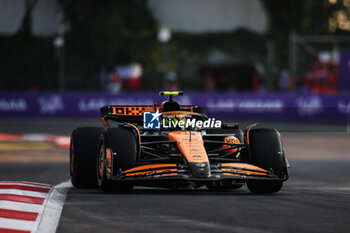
<point x="101" y="163"/>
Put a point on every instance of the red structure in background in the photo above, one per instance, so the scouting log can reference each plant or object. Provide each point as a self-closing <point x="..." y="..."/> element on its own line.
<point x="122" y="77"/>
<point x="324" y="78"/>
<point x="132" y="83"/>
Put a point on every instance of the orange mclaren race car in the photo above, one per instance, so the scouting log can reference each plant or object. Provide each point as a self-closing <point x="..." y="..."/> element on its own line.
<point x="174" y="146"/>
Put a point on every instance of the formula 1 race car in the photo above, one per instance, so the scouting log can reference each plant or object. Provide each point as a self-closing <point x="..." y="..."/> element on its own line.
<point x="174" y="146"/>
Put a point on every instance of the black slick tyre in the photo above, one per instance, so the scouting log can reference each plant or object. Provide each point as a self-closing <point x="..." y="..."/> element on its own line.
<point x="266" y="151"/>
<point x="82" y="156"/>
<point x="123" y="144"/>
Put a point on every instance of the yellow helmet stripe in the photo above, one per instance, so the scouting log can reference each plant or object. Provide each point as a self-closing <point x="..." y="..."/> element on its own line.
<point x="170" y="93"/>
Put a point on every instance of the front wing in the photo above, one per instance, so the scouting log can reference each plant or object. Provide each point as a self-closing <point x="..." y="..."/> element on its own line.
<point x="239" y="172"/>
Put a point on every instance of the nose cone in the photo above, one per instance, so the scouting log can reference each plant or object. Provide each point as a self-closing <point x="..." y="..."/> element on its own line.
<point x="200" y="169"/>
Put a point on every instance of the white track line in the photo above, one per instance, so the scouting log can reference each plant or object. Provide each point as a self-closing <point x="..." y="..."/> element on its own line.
<point x="53" y="205"/>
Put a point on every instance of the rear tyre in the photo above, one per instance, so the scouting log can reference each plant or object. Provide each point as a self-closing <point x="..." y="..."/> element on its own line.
<point x="122" y="142"/>
<point x="82" y="156"/>
<point x="266" y="151"/>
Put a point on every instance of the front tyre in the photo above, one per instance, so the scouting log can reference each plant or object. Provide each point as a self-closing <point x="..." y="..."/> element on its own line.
<point x="267" y="152"/>
<point x="82" y="156"/>
<point x="118" y="152"/>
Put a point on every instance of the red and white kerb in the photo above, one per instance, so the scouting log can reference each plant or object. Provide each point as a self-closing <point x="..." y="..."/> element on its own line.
<point x="21" y="205"/>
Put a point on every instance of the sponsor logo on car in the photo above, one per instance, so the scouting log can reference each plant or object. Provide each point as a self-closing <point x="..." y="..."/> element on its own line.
<point x="186" y="123"/>
<point x="200" y="164"/>
<point x="151" y="120"/>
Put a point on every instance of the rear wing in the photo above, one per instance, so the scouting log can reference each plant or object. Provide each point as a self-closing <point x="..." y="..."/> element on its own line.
<point x="128" y="114"/>
<point x="134" y="114"/>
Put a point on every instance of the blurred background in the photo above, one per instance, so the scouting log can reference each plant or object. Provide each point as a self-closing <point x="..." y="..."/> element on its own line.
<point x="197" y="45"/>
<point x="283" y="63"/>
<point x="256" y="59"/>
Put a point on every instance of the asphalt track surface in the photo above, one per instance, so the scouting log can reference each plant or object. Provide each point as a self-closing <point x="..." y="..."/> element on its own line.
<point x="316" y="198"/>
